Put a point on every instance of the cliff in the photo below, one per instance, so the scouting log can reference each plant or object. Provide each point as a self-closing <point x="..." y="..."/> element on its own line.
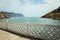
<point x="3" y="16"/>
<point x="10" y="14"/>
<point x="55" y="14"/>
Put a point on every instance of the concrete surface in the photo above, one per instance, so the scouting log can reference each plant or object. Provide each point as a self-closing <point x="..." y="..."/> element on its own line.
<point x="8" y="36"/>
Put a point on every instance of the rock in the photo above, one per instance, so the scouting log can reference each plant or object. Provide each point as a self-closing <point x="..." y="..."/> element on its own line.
<point x="55" y="14"/>
<point x="10" y="14"/>
<point x="2" y="16"/>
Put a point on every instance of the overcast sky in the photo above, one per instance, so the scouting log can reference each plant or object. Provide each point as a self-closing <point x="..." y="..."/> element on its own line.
<point x="30" y="8"/>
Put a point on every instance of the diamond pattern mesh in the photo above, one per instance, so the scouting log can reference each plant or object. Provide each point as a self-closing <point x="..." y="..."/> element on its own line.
<point x="35" y="30"/>
<point x="44" y="31"/>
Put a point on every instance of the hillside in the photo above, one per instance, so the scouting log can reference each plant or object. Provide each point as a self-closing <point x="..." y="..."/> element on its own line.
<point x="10" y="14"/>
<point x="55" y="14"/>
<point x="2" y="16"/>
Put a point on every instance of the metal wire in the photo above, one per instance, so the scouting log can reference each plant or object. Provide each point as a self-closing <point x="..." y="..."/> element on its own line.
<point x="34" y="30"/>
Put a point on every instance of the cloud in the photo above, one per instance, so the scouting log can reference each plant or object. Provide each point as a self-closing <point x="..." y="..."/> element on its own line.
<point x="10" y="5"/>
<point x="53" y="2"/>
<point x="29" y="9"/>
<point x="37" y="1"/>
<point x="33" y="10"/>
<point x="32" y="2"/>
<point x="39" y="9"/>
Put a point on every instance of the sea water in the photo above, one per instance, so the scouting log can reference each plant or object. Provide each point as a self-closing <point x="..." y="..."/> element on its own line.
<point x="35" y="20"/>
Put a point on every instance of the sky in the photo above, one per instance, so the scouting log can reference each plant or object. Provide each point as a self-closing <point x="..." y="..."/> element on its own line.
<point x="29" y="8"/>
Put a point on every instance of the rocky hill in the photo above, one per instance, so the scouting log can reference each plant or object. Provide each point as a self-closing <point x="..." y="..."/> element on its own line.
<point x="55" y="14"/>
<point x="3" y="16"/>
<point x="10" y="14"/>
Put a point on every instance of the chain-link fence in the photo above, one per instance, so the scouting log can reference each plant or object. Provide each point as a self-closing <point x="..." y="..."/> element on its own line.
<point x="34" y="30"/>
